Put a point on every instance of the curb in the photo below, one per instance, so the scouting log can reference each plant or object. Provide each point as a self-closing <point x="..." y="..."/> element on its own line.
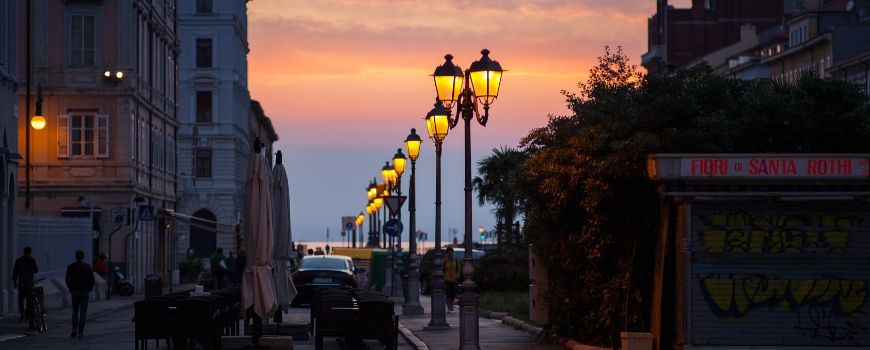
<point x="564" y="343"/>
<point x="571" y="344"/>
<point x="513" y="322"/>
<point x="412" y="339"/>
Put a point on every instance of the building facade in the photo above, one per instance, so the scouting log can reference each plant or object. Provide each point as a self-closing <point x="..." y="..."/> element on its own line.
<point x="107" y="70"/>
<point x="218" y="125"/>
<point x="821" y="38"/>
<point x="8" y="150"/>
<point x="834" y="35"/>
<point x="676" y="37"/>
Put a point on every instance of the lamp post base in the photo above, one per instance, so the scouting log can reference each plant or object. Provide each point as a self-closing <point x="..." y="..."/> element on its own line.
<point x="412" y="299"/>
<point x="410" y="310"/>
<point x="469" y="321"/>
<point x="439" y="305"/>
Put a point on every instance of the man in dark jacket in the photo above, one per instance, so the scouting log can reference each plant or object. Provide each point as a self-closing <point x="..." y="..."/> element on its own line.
<point x="22" y="278"/>
<point x="80" y="281"/>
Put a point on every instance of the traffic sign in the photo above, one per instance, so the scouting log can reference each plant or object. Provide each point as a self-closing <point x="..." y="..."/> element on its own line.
<point x="393" y="227"/>
<point x="347" y="222"/>
<point x="119" y="215"/>
<point x="394" y="203"/>
<point x="146" y="212"/>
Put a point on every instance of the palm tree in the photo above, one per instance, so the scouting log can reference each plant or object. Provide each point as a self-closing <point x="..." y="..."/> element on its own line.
<point x="498" y="183"/>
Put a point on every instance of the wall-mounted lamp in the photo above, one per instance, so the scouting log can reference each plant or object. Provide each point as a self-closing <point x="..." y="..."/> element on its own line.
<point x="38" y="120"/>
<point x="116" y="76"/>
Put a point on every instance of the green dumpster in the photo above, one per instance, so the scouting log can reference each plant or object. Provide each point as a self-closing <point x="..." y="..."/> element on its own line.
<point x="378" y="269"/>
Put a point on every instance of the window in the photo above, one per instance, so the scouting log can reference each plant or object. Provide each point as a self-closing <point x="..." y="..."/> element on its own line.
<point x="203" y="163"/>
<point x="709" y="4"/>
<point x="83" y="135"/>
<point x="203" y="6"/>
<point x="203" y="106"/>
<point x="203" y="53"/>
<point x="82" y="40"/>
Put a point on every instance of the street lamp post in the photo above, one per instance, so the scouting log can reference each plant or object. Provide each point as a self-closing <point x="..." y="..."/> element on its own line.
<point x="412" y="299"/>
<point x="359" y="221"/>
<point x="387" y="176"/>
<point x="379" y="203"/>
<point x="371" y="210"/>
<point x="438" y="124"/>
<point x="399" y="163"/>
<point x="485" y="78"/>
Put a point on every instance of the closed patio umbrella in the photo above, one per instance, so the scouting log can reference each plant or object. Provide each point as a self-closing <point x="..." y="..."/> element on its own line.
<point x="285" y="291"/>
<point x="258" y="292"/>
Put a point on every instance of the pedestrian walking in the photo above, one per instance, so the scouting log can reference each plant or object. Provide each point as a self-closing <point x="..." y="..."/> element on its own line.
<point x="22" y="279"/>
<point x="451" y="277"/>
<point x="219" y="268"/>
<point x="80" y="282"/>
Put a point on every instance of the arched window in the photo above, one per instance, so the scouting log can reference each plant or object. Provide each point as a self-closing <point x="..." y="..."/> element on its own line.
<point x="203" y="233"/>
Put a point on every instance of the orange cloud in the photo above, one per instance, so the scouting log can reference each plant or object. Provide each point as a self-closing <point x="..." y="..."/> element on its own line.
<point x="318" y="67"/>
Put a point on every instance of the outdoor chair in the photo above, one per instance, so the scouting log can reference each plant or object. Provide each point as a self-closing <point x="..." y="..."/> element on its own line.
<point x="152" y="321"/>
<point x="198" y="322"/>
<point x="314" y="304"/>
<point x="335" y="317"/>
<point x="230" y="312"/>
<point x="371" y="295"/>
<point x="376" y="319"/>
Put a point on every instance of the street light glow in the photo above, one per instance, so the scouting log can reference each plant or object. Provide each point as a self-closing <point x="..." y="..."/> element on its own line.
<point x="399" y="162"/>
<point x="485" y="77"/>
<point x="438" y="122"/>
<point x="412" y="143"/>
<point x="37" y="122"/>
<point x="448" y="82"/>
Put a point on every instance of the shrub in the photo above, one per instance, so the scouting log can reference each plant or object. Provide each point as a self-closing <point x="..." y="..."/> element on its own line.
<point x="508" y="271"/>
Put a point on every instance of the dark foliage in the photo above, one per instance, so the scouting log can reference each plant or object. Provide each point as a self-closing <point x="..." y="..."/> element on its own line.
<point x="592" y="212"/>
<point x="508" y="271"/>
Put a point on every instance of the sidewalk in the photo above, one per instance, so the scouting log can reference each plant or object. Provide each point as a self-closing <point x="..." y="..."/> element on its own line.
<point x="493" y="334"/>
<point x="10" y="328"/>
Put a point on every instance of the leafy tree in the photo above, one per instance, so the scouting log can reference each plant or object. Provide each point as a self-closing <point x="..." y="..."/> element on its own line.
<point x="500" y="173"/>
<point x="589" y="206"/>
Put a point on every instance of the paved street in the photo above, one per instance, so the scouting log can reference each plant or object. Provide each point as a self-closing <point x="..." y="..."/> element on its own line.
<point x="110" y="327"/>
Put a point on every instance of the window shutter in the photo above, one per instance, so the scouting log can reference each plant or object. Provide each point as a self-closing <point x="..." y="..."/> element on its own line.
<point x="63" y="135"/>
<point x="102" y="136"/>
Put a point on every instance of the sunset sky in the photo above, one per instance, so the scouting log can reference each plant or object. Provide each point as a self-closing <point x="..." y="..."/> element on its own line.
<point x="344" y="81"/>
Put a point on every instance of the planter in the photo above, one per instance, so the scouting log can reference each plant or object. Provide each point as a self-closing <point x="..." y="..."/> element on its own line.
<point x="636" y="340"/>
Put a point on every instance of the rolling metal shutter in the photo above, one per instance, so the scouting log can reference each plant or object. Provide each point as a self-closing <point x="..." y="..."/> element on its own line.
<point x="780" y="274"/>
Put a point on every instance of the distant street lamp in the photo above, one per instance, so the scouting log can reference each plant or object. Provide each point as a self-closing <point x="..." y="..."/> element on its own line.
<point x="379" y="203"/>
<point x="399" y="163"/>
<point x="412" y="299"/>
<point x="452" y="87"/>
<point x="438" y="124"/>
<point x="371" y="193"/>
<point x="359" y="221"/>
<point x="370" y="211"/>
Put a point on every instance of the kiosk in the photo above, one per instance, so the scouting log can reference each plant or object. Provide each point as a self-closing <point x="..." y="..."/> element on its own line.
<point x="762" y="251"/>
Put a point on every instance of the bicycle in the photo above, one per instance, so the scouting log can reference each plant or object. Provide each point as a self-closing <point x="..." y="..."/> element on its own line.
<point x="35" y="307"/>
